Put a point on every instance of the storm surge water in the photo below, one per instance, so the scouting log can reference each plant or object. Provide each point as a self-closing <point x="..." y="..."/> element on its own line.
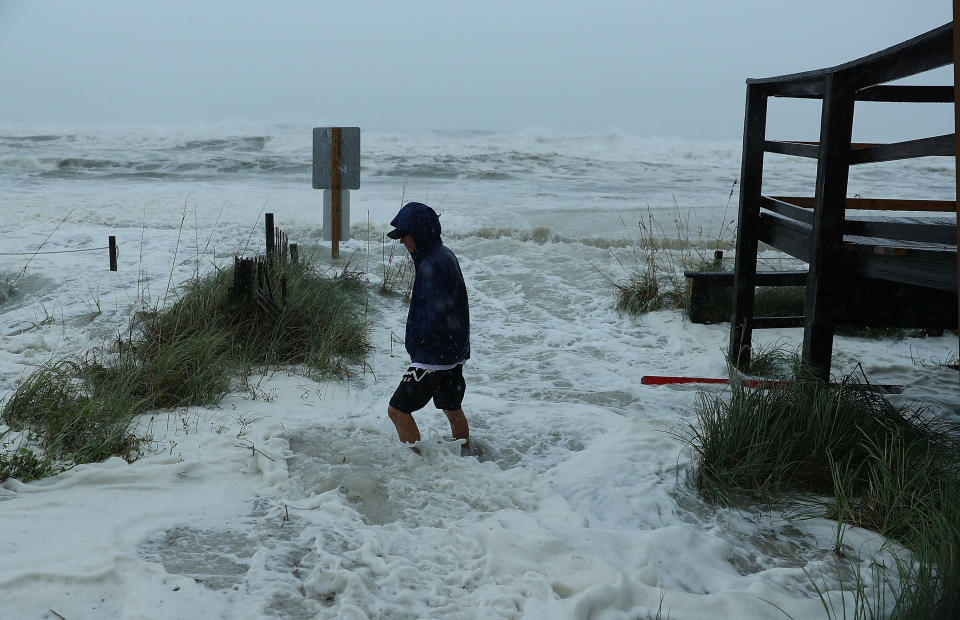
<point x="292" y="498"/>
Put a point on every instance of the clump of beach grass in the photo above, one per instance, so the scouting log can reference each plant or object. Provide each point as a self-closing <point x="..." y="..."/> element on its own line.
<point x="653" y="281"/>
<point x="654" y="277"/>
<point x="81" y="408"/>
<point x="24" y="464"/>
<point x="886" y="468"/>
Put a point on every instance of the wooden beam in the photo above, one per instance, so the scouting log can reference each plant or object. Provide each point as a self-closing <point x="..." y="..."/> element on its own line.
<point x="786" y="209"/>
<point x="922" y="267"/>
<point x="907" y="94"/>
<point x="924" y="147"/>
<point x="884" y="303"/>
<point x="745" y="265"/>
<point x="927" y="51"/>
<point x="836" y="127"/>
<point x="922" y="232"/>
<point x="878" y="204"/>
<point x="956" y="134"/>
<point x="801" y="89"/>
<point x="777" y="322"/>
<point x="864" y="153"/>
<point x="799" y="149"/>
<point x="853" y="145"/>
<point x="786" y="235"/>
<point x="763" y="278"/>
<point x="791" y="232"/>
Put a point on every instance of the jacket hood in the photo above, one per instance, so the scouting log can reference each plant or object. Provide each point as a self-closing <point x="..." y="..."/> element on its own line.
<point x="419" y="221"/>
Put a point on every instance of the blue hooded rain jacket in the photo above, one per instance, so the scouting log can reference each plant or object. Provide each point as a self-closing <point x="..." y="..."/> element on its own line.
<point x="438" y="322"/>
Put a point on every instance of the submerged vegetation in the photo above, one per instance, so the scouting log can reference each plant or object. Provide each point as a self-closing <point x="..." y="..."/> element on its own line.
<point x="889" y="469"/>
<point x="80" y="408"/>
<point x="654" y="273"/>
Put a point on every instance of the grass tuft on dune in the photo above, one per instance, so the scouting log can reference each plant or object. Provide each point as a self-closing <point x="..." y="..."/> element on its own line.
<point x="81" y="408"/>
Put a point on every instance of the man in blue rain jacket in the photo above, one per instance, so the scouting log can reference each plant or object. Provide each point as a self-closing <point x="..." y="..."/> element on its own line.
<point x="438" y="327"/>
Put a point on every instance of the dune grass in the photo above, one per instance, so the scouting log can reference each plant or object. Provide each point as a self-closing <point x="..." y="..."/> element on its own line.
<point x="886" y="468"/>
<point x="80" y="408"/>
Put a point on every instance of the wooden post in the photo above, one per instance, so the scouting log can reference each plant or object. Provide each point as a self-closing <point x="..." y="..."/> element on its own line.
<point x="112" y="243"/>
<point x="243" y="280"/>
<point x="836" y="129"/>
<point x="335" y="192"/>
<point x="294" y="253"/>
<point x="718" y="259"/>
<point x="745" y="261"/>
<point x="268" y="224"/>
<point x="956" y="135"/>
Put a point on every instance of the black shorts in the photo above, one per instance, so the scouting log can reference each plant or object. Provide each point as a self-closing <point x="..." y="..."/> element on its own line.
<point x="419" y="385"/>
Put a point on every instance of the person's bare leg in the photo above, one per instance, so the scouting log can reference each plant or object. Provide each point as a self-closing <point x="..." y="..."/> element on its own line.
<point x="458" y="425"/>
<point x="407" y="429"/>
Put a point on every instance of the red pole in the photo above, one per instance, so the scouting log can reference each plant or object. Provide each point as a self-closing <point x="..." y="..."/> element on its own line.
<point x="658" y="380"/>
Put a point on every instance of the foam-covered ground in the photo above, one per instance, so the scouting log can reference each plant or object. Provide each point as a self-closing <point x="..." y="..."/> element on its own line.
<point x="294" y="499"/>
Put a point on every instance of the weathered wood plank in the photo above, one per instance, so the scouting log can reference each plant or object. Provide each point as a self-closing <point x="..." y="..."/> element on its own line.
<point x="793" y="237"/>
<point x="900" y="230"/>
<point x="810" y="88"/>
<point x="785" y="235"/>
<point x="929" y="268"/>
<point x="927" y="51"/>
<point x="923" y="53"/>
<point x="878" y="204"/>
<point x="907" y="94"/>
<point x="865" y="153"/>
<point x="777" y="322"/>
<point x="924" y="147"/>
<point x="788" y="210"/>
<point x="799" y="149"/>
<point x="763" y="278"/>
<point x="884" y="303"/>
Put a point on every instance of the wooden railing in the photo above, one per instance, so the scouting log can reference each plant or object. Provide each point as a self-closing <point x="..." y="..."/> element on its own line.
<point x="813" y="228"/>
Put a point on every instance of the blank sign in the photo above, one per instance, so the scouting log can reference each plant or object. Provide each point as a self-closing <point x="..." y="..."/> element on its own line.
<point x="349" y="157"/>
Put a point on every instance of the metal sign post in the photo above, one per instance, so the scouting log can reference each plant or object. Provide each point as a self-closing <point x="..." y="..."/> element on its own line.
<point x="336" y="168"/>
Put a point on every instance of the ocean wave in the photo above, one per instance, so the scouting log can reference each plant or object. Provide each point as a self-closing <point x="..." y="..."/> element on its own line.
<point x="232" y="143"/>
<point x="440" y="172"/>
<point x="22" y="164"/>
<point x="82" y="163"/>
<point x="18" y="140"/>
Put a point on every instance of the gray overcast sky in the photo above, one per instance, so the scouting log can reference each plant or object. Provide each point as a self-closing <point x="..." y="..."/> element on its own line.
<point x="647" y="67"/>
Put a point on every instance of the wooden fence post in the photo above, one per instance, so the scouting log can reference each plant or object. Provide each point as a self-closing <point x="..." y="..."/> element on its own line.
<point x="112" y="243"/>
<point x="294" y="253"/>
<point x="243" y="280"/>
<point x="268" y="224"/>
<point x="956" y="135"/>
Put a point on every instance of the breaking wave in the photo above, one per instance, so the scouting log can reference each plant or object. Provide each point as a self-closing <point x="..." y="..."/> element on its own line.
<point x="233" y="143"/>
<point x="605" y="165"/>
